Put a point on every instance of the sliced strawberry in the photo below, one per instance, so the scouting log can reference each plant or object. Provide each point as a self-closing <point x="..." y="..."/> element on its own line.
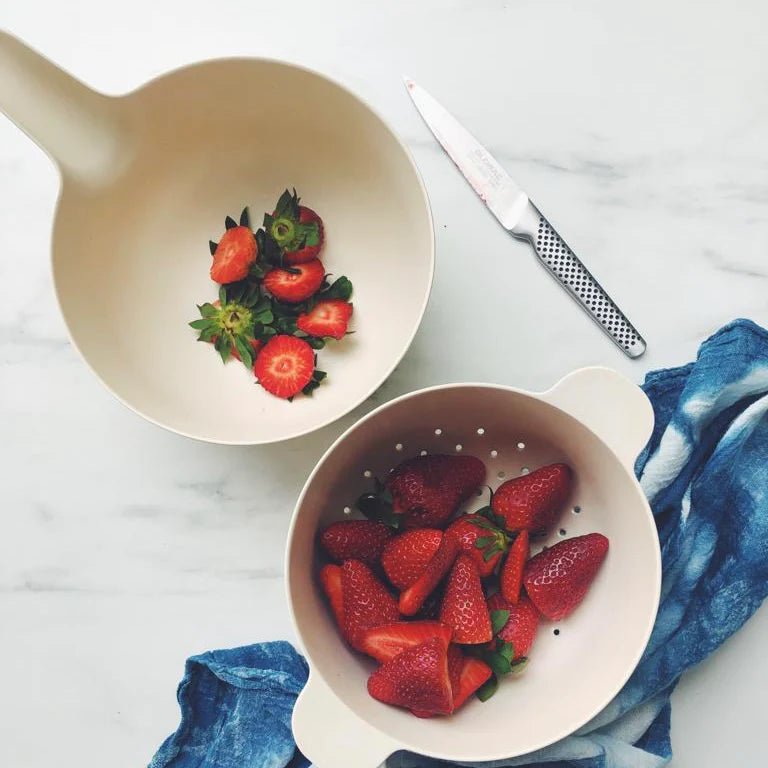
<point x="477" y="537"/>
<point x="355" y="540"/>
<point x="285" y="365"/>
<point x="521" y="626"/>
<point x="405" y="557"/>
<point x="464" y="607"/>
<point x="413" y="598"/>
<point x="474" y="673"/>
<point x="512" y="572"/>
<point x="234" y="255"/>
<point x="557" y="579"/>
<point x="534" y="501"/>
<point x="326" y="318"/>
<point x="387" y="640"/>
<point x="330" y="578"/>
<point x="416" y="679"/>
<point x="297" y="283"/>
<point x="367" y="603"/>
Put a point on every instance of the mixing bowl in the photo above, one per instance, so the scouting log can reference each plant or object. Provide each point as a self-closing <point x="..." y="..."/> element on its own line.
<point x="146" y="181"/>
<point x="596" y="421"/>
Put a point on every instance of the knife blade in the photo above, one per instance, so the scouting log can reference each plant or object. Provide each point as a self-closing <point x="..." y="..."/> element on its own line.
<point x="523" y="220"/>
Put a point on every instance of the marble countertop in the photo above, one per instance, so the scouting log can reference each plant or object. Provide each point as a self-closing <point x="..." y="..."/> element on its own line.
<point x="638" y="129"/>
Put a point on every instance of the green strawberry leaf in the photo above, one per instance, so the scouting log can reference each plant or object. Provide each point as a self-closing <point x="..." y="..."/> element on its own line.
<point x="315" y="343"/>
<point x="212" y="246"/>
<point x="339" y="289"/>
<point x="245" y="218"/>
<point x="199" y="324"/>
<point x="309" y="234"/>
<point x="507" y="650"/>
<point x="288" y="205"/>
<point x="375" y="507"/>
<point x="222" y="347"/>
<point x="245" y="350"/>
<point x="488" y="688"/>
<point x="484" y="541"/>
<point x="498" y="663"/>
<point x="229" y="222"/>
<point x="223" y="295"/>
<point x="207" y="309"/>
<point x="491" y="552"/>
<point x="207" y="334"/>
<point x="499" y="620"/>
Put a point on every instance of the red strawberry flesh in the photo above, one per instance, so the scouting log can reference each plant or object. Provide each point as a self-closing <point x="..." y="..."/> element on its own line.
<point x="297" y="283"/>
<point x="416" y="679"/>
<point x="474" y="673"/>
<point x="327" y="318"/>
<point x="413" y="598"/>
<point x="512" y="571"/>
<point x="285" y="365"/>
<point x="330" y="578"/>
<point x="405" y="557"/>
<point x="361" y="540"/>
<point x="386" y="641"/>
<point x="558" y="578"/>
<point x="234" y="255"/>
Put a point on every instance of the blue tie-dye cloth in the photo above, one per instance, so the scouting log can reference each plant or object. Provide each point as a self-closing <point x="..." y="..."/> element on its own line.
<point x="705" y="472"/>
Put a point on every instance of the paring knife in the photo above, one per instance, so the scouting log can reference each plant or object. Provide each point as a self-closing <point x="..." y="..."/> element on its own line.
<point x="522" y="219"/>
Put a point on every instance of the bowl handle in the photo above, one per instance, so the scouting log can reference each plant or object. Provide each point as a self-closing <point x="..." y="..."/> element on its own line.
<point x="607" y="402"/>
<point x="331" y="735"/>
<point x="83" y="131"/>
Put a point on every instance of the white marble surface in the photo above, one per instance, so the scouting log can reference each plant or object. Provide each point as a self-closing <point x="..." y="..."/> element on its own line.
<point x="640" y="129"/>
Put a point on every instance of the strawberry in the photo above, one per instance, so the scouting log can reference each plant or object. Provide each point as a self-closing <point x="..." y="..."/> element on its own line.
<point x="297" y="230"/>
<point x="387" y="640"/>
<point x="423" y="492"/>
<point x="367" y="603"/>
<point x="533" y="501"/>
<point x="330" y="579"/>
<point x="297" y="283"/>
<point x="285" y="366"/>
<point x="413" y="598"/>
<point x="416" y="679"/>
<point x="231" y="322"/>
<point x="464" y="607"/>
<point x="473" y="674"/>
<point x="234" y="255"/>
<point x="405" y="557"/>
<point x="355" y="540"/>
<point x="512" y="572"/>
<point x="520" y="628"/>
<point x="328" y="317"/>
<point x="557" y="579"/>
<point x="479" y="538"/>
<point x="455" y="664"/>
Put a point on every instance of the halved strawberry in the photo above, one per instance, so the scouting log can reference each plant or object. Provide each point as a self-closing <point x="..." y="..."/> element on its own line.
<point x="464" y="607"/>
<point x="474" y="673"/>
<point x="387" y="640"/>
<point x="367" y="603"/>
<point x="533" y="501"/>
<point x="330" y="578"/>
<point x="327" y="318"/>
<point x="405" y="557"/>
<point x="355" y="540"/>
<point x="520" y="627"/>
<point x="285" y="365"/>
<point x="234" y="255"/>
<point x="416" y="679"/>
<point x="297" y="283"/>
<point x="413" y="598"/>
<point x="557" y="579"/>
<point x="296" y="229"/>
<point x="512" y="571"/>
<point x="479" y="538"/>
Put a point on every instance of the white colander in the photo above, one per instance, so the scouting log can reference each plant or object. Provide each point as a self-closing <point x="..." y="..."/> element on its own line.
<point x="595" y="420"/>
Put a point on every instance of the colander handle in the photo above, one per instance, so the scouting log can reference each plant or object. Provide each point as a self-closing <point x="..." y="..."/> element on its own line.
<point x="612" y="406"/>
<point x="331" y="735"/>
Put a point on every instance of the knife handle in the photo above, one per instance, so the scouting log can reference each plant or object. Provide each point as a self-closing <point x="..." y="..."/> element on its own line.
<point x="568" y="270"/>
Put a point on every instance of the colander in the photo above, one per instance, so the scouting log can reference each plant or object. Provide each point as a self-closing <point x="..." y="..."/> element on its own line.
<point x="595" y="420"/>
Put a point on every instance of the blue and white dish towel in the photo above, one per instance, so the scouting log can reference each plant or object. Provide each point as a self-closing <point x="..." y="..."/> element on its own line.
<point x="705" y="472"/>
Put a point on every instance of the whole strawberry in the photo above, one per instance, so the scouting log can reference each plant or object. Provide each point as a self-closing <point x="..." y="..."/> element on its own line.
<point x="464" y="608"/>
<point x="533" y="501"/>
<point x="417" y="679"/>
<point x="388" y="640"/>
<point x="367" y="603"/>
<point x="558" y="578"/>
<point x="296" y="229"/>
<point x="479" y="538"/>
<point x="520" y="628"/>
<point x="405" y="557"/>
<point x="425" y="491"/>
<point x="361" y="540"/>
<point x="412" y="600"/>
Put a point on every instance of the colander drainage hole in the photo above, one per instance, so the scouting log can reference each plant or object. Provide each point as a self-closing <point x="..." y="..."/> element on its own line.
<point x="555" y="632"/>
<point x="521" y="446"/>
<point x="480" y="491"/>
<point x="494" y="454"/>
<point x="399" y="447"/>
<point x="347" y="510"/>
<point x="459" y="447"/>
<point x="438" y="431"/>
<point x="422" y="453"/>
<point x="562" y="531"/>
<point x="501" y="474"/>
<point x="480" y="431"/>
<point x="577" y="510"/>
<point x="367" y="473"/>
<point x="525" y="471"/>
